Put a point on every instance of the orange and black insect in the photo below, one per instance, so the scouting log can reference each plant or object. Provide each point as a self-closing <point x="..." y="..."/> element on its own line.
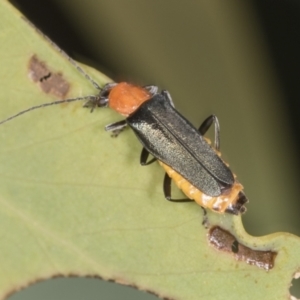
<point x="183" y="152"/>
<point x="180" y="148"/>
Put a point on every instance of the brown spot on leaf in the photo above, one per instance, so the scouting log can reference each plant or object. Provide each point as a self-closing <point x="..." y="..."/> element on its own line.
<point x="50" y="82"/>
<point x="225" y="241"/>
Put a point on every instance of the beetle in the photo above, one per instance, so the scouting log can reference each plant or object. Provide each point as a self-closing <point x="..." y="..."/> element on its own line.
<point x="182" y="150"/>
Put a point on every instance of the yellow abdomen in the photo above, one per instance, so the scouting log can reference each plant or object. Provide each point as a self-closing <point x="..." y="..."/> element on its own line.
<point x="218" y="204"/>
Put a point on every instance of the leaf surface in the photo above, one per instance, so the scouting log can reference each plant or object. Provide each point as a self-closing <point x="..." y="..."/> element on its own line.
<point x="75" y="201"/>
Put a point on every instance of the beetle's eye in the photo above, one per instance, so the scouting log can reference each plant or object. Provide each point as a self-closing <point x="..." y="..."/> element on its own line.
<point x="104" y="93"/>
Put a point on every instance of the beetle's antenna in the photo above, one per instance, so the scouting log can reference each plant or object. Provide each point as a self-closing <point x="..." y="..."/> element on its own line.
<point x="76" y="65"/>
<point x="49" y="104"/>
<point x="94" y="99"/>
<point x="72" y="61"/>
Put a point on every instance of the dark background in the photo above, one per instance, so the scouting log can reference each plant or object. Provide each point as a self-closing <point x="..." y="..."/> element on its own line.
<point x="240" y="61"/>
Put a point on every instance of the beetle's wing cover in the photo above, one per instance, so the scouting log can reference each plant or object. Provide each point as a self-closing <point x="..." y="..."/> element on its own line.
<point x="169" y="137"/>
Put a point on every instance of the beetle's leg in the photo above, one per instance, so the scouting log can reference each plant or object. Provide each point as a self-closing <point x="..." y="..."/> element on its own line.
<point x="206" y="125"/>
<point x="152" y="89"/>
<point x="100" y="100"/>
<point x="167" y="190"/>
<point x="167" y="95"/>
<point x="144" y="158"/>
<point x="116" y="127"/>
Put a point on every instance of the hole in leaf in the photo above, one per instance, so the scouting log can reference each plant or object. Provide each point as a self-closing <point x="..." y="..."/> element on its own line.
<point x="78" y="289"/>
<point x="295" y="287"/>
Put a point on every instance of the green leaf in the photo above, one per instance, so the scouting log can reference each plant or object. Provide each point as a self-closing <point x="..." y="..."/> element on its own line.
<point x="75" y="201"/>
